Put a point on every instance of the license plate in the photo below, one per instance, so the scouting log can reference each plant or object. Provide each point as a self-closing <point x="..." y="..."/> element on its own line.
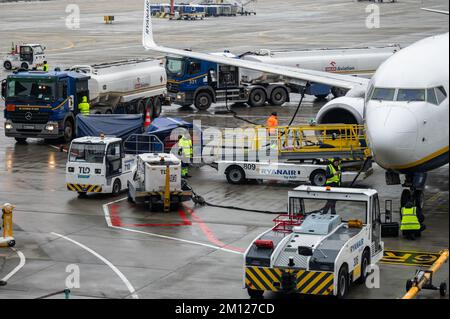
<point x="28" y="127"/>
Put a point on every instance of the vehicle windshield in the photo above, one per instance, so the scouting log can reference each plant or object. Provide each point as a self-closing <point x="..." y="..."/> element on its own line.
<point x="347" y="209"/>
<point x="175" y="66"/>
<point x="32" y="89"/>
<point x="87" y="153"/>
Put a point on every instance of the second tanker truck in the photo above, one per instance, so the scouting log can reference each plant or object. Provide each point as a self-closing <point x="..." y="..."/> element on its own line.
<point x="45" y="104"/>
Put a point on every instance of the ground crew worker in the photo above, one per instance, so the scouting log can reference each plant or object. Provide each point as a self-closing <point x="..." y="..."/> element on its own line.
<point x="272" y="123"/>
<point x="185" y="150"/>
<point x="410" y="224"/>
<point x="84" y="107"/>
<point x="45" y="67"/>
<point x="334" y="173"/>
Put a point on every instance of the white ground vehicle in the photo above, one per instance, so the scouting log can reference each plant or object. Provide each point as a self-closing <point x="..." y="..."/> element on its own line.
<point x="25" y="56"/>
<point x="326" y="241"/>
<point x="98" y="165"/>
<point x="127" y="87"/>
<point x="157" y="182"/>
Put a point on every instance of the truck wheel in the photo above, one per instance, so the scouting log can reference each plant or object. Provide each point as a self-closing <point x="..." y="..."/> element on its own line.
<point x="342" y="282"/>
<point x="203" y="101"/>
<point x="235" y="175"/>
<point x="338" y="92"/>
<point x="157" y="107"/>
<point x="117" y="187"/>
<point x="278" y="96"/>
<point x="365" y="262"/>
<point x="257" y="97"/>
<point x="318" y="178"/>
<point x="141" y="106"/>
<point x="321" y="96"/>
<point x="68" y="131"/>
<point x="7" y="65"/>
<point x="109" y="112"/>
<point x="11" y="243"/>
<point x="21" y="140"/>
<point x="24" y="66"/>
<point x="255" y="294"/>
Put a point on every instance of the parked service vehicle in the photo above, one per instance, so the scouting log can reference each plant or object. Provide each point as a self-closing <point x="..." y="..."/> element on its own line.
<point x="25" y="56"/>
<point x="158" y="182"/>
<point x="202" y="83"/>
<point x="105" y="164"/>
<point x="45" y="104"/>
<point x="326" y="242"/>
<point x="98" y="165"/>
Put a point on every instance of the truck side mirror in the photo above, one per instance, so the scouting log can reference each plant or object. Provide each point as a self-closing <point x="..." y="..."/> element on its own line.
<point x="305" y="251"/>
<point x="4" y="89"/>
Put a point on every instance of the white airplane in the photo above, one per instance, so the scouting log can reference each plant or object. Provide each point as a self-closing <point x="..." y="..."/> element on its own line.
<point x="404" y="106"/>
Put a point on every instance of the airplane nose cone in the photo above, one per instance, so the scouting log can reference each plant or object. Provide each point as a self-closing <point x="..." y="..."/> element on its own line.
<point x="392" y="134"/>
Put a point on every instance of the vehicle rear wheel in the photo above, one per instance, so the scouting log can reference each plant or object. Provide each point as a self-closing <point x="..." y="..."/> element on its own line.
<point x="278" y="96"/>
<point x="21" y="140"/>
<point x="203" y="101"/>
<point x="338" y="92"/>
<point x="365" y="262"/>
<point x="7" y="65"/>
<point x="318" y="178"/>
<point x="68" y="131"/>
<point x="235" y="175"/>
<point x="157" y="107"/>
<point x="257" y="97"/>
<point x="109" y="111"/>
<point x="255" y="294"/>
<point x="11" y="243"/>
<point x="343" y="282"/>
<point x="24" y="66"/>
<point x="443" y="289"/>
<point x="141" y="106"/>
<point x="117" y="187"/>
<point x="321" y="96"/>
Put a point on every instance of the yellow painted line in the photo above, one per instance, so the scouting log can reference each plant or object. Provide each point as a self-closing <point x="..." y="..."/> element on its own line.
<point x="323" y="284"/>
<point x="409" y="258"/>
<point x="70" y="46"/>
<point x="421" y="161"/>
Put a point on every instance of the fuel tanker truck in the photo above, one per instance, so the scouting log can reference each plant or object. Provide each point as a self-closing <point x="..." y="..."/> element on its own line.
<point x="45" y="104"/>
<point x="202" y="83"/>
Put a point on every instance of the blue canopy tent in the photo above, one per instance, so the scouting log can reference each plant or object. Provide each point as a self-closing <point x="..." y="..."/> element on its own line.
<point x="117" y="125"/>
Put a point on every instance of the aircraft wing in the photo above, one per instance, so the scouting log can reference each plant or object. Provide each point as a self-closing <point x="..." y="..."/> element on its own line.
<point x="302" y="75"/>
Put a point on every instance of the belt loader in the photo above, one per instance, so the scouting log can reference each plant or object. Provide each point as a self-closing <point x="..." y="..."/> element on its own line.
<point x="326" y="242"/>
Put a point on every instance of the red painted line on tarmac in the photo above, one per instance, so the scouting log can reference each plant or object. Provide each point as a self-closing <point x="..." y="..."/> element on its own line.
<point x="117" y="221"/>
<point x="209" y="233"/>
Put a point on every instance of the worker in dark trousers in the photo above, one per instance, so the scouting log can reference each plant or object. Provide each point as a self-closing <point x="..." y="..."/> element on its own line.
<point x="334" y="173"/>
<point x="185" y="150"/>
<point x="410" y="224"/>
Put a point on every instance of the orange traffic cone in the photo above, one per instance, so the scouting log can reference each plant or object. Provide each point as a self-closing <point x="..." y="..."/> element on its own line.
<point x="148" y="119"/>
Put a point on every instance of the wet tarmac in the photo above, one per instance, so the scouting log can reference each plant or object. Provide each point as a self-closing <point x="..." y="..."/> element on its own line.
<point x="124" y="251"/>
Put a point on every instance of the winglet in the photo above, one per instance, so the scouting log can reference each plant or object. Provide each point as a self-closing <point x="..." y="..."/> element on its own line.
<point x="147" y="28"/>
<point x="436" y="11"/>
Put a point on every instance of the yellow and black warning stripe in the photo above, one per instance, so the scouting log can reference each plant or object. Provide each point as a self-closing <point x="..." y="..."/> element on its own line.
<point x="315" y="282"/>
<point x="84" y="188"/>
<point x="261" y="278"/>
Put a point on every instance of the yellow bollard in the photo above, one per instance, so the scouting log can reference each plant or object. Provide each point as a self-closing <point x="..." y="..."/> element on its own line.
<point x="8" y="236"/>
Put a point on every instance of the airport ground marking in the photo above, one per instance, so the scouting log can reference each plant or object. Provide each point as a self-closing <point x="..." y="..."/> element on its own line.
<point x="110" y="224"/>
<point x="106" y="261"/>
<point x="409" y="258"/>
<point x="18" y="267"/>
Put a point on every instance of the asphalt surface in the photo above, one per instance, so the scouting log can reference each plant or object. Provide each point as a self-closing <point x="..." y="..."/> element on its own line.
<point x="134" y="253"/>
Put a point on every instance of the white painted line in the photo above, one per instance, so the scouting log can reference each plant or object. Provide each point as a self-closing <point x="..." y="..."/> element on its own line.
<point x="18" y="267"/>
<point x="108" y="221"/>
<point x="106" y="261"/>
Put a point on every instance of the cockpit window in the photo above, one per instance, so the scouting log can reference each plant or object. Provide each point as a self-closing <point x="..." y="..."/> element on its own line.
<point x="411" y="95"/>
<point x="431" y="97"/>
<point x="382" y="94"/>
<point x="440" y="94"/>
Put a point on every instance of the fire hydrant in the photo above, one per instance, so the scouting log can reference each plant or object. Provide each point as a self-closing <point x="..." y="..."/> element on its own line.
<point x="8" y="237"/>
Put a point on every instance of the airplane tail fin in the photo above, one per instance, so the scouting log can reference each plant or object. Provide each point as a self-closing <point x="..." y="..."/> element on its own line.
<point x="436" y="11"/>
<point x="147" y="28"/>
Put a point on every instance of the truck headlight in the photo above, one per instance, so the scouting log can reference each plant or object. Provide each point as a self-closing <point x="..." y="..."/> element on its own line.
<point x="180" y="97"/>
<point x="50" y="127"/>
<point x="8" y="126"/>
